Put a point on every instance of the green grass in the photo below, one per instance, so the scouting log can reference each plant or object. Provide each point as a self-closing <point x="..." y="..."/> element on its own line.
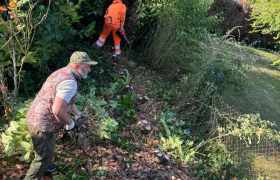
<point x="261" y="92"/>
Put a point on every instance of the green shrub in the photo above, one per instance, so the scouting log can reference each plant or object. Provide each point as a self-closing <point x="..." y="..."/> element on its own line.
<point x="106" y="127"/>
<point x="16" y="136"/>
<point x="178" y="142"/>
<point x="172" y="43"/>
<point x="266" y="17"/>
<point x="215" y="163"/>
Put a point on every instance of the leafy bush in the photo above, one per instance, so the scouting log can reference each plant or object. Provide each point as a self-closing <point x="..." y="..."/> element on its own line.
<point x="250" y="125"/>
<point x="17" y="33"/>
<point x="180" y="24"/>
<point x="16" y="137"/>
<point x="104" y="124"/>
<point x="106" y="127"/>
<point x="178" y="142"/>
<point x="91" y="13"/>
<point x="215" y="163"/>
<point x="98" y="108"/>
<point x="52" y="21"/>
<point x="266" y="17"/>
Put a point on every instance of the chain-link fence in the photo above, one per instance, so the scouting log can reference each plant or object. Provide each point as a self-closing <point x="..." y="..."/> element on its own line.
<point x="259" y="159"/>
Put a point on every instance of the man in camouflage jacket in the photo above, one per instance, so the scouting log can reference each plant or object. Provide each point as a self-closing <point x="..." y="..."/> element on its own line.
<point x="50" y="111"/>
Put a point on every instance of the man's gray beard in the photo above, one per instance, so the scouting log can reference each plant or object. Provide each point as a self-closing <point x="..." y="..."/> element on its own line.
<point x="82" y="73"/>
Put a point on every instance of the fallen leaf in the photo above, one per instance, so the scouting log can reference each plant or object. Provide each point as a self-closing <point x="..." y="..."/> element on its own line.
<point x="19" y="166"/>
<point x="10" y="172"/>
<point x="54" y="172"/>
<point x="20" y="174"/>
<point x="156" y="142"/>
<point x="135" y="164"/>
<point x="3" y="170"/>
<point x="111" y="156"/>
<point x="4" y="163"/>
<point x="14" y="175"/>
<point x="86" y="145"/>
<point x="142" y="116"/>
<point x="92" y="153"/>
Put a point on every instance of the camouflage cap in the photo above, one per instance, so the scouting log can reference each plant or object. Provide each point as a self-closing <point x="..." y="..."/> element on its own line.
<point x="80" y="57"/>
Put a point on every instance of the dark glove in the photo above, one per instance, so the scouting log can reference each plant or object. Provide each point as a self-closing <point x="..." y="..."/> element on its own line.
<point x="80" y="123"/>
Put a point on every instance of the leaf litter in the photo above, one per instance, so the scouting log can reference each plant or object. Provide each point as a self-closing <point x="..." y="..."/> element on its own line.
<point x="140" y="161"/>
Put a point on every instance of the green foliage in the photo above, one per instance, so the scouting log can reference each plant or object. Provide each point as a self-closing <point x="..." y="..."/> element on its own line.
<point x="214" y="163"/>
<point x="53" y="22"/>
<point x="179" y="149"/>
<point x="16" y="137"/>
<point x="57" y="26"/>
<point x="106" y="127"/>
<point x="172" y="43"/>
<point x="187" y="15"/>
<point x="266" y="17"/>
<point x="116" y="87"/>
<point x="58" y="23"/>
<point x="126" y="105"/>
<point x="172" y="124"/>
<point x="177" y="143"/>
<point x="90" y="99"/>
<point x="219" y="76"/>
<point x="92" y="13"/>
<point x="84" y="174"/>
<point x="252" y="1"/>
<point x="250" y="125"/>
<point x="88" y="31"/>
<point x="105" y="124"/>
<point x="17" y="35"/>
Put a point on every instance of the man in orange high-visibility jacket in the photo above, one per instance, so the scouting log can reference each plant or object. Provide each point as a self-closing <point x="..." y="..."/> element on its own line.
<point x="114" y="19"/>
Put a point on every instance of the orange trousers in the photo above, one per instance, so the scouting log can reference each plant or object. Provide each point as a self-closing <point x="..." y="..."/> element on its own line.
<point x="107" y="28"/>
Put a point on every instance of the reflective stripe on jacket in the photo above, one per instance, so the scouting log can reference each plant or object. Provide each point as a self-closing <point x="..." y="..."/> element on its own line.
<point x="40" y="113"/>
<point x="115" y="13"/>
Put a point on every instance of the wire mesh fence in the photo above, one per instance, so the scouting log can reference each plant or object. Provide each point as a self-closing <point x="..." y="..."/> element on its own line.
<point x="259" y="159"/>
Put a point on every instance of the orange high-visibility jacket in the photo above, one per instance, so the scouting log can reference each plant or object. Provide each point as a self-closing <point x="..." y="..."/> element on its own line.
<point x="115" y="13"/>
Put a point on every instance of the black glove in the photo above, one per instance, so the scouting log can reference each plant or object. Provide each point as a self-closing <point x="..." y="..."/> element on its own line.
<point x="80" y="123"/>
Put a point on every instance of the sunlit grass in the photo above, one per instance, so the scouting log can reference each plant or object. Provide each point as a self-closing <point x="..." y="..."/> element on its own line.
<point x="260" y="93"/>
<point x="261" y="90"/>
<point x="267" y="166"/>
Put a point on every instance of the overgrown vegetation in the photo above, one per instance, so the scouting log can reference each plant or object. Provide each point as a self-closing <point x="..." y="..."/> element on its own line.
<point x="266" y="17"/>
<point x="182" y="68"/>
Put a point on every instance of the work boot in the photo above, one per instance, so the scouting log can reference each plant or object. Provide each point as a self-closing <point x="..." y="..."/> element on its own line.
<point x="95" y="46"/>
<point x="116" y="58"/>
<point x="51" y="168"/>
